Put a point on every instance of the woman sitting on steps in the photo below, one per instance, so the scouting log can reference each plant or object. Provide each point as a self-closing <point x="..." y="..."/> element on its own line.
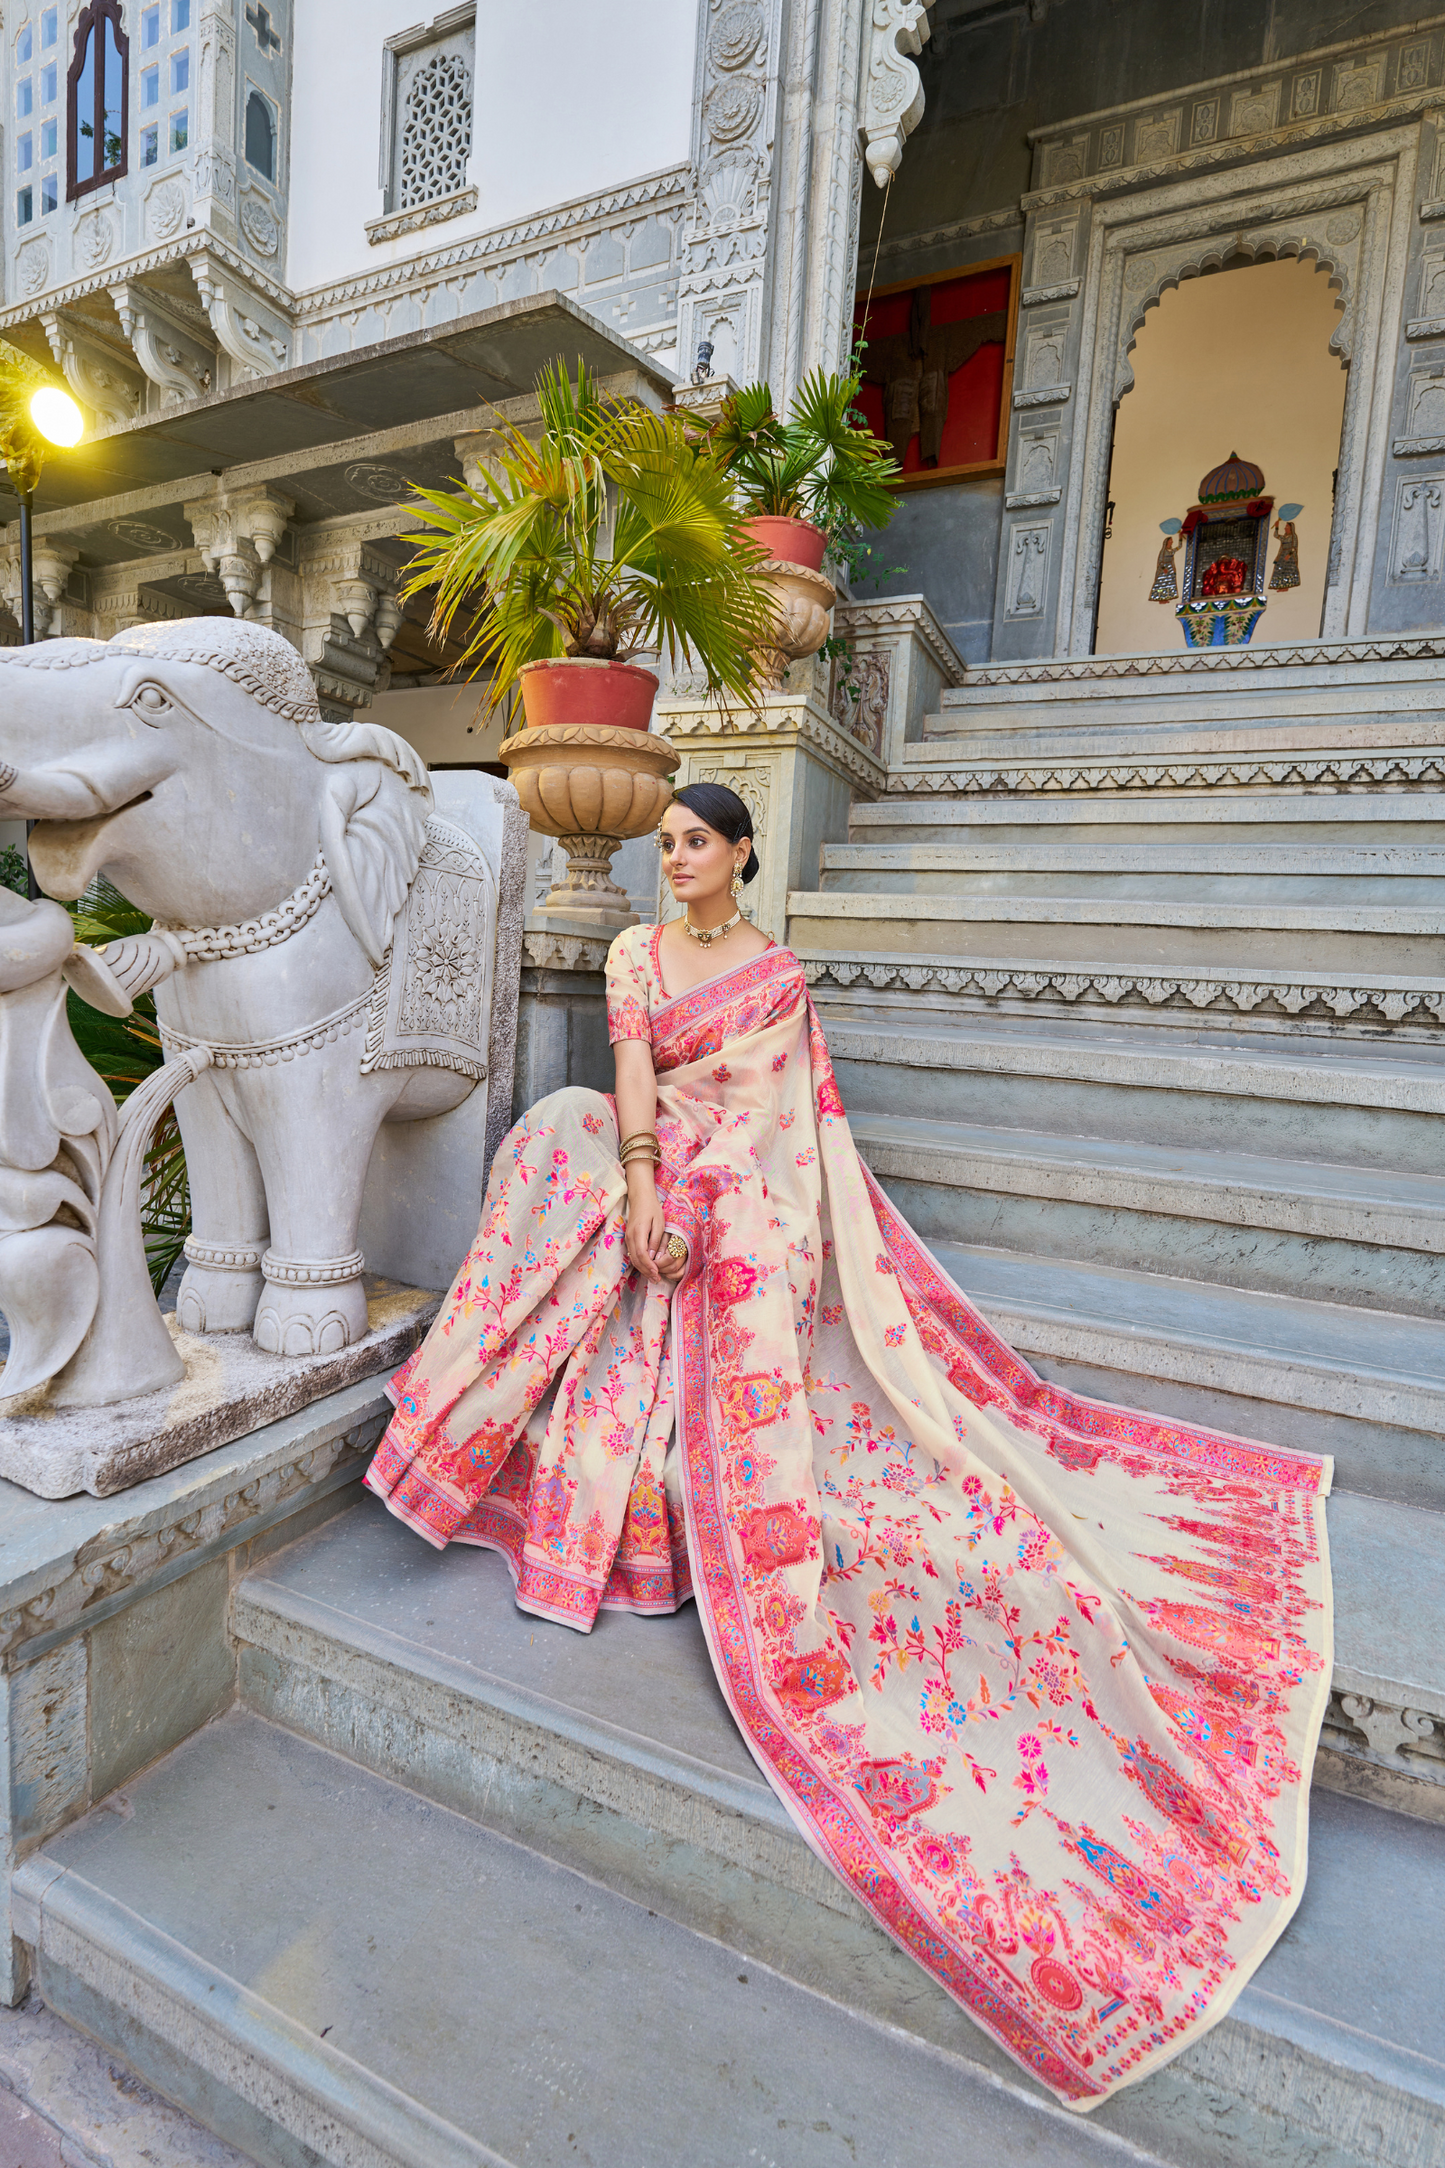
<point x="1040" y="1678"/>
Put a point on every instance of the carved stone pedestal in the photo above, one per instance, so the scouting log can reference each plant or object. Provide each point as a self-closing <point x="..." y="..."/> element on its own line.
<point x="592" y="787"/>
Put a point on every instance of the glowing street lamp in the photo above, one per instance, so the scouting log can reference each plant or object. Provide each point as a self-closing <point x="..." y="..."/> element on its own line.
<point x="34" y="415"/>
<point x="53" y="415"/>
<point x="57" y="417"/>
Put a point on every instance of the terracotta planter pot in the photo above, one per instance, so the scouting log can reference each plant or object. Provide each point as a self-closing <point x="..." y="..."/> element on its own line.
<point x="581" y="691"/>
<point x="789" y="541"/>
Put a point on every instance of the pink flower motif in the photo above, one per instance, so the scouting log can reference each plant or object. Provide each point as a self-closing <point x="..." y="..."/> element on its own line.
<point x="722" y="1074"/>
<point x="884" y="1263"/>
<point x="593" y="1124"/>
<point x="780" y="1061"/>
<point x="895" y="1335"/>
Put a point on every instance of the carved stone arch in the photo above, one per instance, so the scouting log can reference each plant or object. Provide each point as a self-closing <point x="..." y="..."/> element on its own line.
<point x="1261" y="245"/>
<point x="1345" y="206"/>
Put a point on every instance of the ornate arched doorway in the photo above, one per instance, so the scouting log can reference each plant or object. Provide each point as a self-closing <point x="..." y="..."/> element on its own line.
<point x="1235" y="361"/>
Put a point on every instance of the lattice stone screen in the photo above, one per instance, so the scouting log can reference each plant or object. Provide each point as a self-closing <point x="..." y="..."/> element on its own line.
<point x="436" y="131"/>
<point x="429" y="111"/>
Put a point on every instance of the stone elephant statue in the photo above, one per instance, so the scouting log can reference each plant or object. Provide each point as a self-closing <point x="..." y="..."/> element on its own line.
<point x="318" y="931"/>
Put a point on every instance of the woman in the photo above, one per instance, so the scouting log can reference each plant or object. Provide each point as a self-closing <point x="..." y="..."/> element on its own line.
<point x="1040" y="1678"/>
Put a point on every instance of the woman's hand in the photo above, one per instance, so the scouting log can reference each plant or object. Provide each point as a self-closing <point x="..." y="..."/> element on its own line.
<point x="646" y="1227"/>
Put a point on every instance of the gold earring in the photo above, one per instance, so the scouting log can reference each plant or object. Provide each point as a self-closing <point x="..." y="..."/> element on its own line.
<point x="737" y="882"/>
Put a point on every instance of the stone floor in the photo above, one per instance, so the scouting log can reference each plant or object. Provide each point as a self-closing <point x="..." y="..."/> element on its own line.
<point x="66" y="2103"/>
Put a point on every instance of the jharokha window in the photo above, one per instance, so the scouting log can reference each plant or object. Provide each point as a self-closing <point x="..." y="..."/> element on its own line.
<point x="98" y="95"/>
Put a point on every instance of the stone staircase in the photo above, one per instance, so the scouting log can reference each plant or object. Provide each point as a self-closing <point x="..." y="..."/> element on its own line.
<point x="452" y="1886"/>
<point x="1135" y="983"/>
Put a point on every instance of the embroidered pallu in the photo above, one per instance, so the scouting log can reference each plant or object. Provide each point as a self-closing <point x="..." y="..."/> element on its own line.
<point x="1040" y="1678"/>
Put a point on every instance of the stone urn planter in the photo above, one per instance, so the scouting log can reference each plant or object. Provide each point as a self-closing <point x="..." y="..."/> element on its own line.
<point x="592" y="786"/>
<point x="803" y="598"/>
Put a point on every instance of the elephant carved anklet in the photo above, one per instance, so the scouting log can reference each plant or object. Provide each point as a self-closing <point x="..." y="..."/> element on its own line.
<point x="311" y="1272"/>
<point x="224" y="1256"/>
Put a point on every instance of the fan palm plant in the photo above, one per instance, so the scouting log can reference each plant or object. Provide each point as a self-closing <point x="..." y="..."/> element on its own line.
<point x="611" y="533"/>
<point x="821" y="464"/>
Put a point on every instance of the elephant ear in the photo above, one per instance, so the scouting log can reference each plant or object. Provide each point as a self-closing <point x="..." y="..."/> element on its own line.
<point x="372" y="830"/>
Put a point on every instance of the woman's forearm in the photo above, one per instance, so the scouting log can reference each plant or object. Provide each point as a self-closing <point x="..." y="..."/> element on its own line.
<point x="636" y="1091"/>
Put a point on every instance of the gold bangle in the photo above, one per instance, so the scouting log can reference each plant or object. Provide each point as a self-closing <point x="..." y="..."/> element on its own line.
<point x="654" y="1159"/>
<point x="639" y="1136"/>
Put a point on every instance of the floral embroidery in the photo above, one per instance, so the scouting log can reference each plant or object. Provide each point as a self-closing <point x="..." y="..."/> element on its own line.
<point x="920" y="1656"/>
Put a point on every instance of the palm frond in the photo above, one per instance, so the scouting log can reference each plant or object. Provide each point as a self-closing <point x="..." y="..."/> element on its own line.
<point x="608" y="531"/>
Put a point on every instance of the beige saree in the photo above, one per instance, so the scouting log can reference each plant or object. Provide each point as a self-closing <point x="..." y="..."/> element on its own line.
<point x="1040" y="1678"/>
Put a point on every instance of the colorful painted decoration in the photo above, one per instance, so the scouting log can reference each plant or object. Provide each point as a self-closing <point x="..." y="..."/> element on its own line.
<point x="1286" y="563"/>
<point x="1226" y="536"/>
<point x="1166" y="584"/>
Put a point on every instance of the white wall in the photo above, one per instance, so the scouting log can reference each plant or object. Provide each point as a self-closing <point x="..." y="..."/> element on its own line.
<point x="442" y="722"/>
<point x="1235" y="362"/>
<point x="570" y="99"/>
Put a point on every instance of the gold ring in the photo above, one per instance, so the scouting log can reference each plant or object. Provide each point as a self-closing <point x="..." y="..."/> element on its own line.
<point x="676" y="1248"/>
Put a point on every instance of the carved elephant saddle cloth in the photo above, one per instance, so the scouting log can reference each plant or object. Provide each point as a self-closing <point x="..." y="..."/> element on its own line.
<point x="432" y="997"/>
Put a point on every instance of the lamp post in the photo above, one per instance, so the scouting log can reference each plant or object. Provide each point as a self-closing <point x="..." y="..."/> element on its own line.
<point x="55" y="417"/>
<point x="34" y="419"/>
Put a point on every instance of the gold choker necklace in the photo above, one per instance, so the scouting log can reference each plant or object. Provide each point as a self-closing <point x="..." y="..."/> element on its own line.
<point x="708" y="934"/>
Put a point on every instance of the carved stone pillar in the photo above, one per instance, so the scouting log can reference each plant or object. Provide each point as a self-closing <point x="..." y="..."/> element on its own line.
<point x="786" y="101"/>
<point x="214" y="110"/>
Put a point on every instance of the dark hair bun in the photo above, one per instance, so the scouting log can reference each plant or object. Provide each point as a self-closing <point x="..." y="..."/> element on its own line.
<point x="718" y="807"/>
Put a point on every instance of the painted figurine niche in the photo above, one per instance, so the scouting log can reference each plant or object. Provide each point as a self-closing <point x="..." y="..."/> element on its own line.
<point x="1217" y="586"/>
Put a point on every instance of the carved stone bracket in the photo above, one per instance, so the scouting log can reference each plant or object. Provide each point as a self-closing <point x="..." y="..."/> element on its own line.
<point x="350" y="616"/>
<point x="51" y="568"/>
<point x="893" y="97"/>
<point x="93" y="369"/>
<point x="237" y="533"/>
<point x="175" y="360"/>
<point x="1411" y="1740"/>
<point x="249" y="329"/>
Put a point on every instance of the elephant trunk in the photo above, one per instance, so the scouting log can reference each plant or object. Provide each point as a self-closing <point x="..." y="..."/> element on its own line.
<point x="74" y="801"/>
<point x="88" y="784"/>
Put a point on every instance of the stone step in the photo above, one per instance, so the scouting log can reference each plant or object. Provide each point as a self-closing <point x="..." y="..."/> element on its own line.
<point x="1363" y="1236"/>
<point x="1148" y="1083"/>
<point x="615" y="1755"/>
<point x="326" y="1967"/>
<point x="1394" y="890"/>
<point x="1364" y="1385"/>
<point x="1098" y="932"/>
<point x="1314" y="693"/>
<point x="1164" y="819"/>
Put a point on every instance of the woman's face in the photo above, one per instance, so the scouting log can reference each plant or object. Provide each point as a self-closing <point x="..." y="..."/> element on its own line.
<point x="698" y="861"/>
